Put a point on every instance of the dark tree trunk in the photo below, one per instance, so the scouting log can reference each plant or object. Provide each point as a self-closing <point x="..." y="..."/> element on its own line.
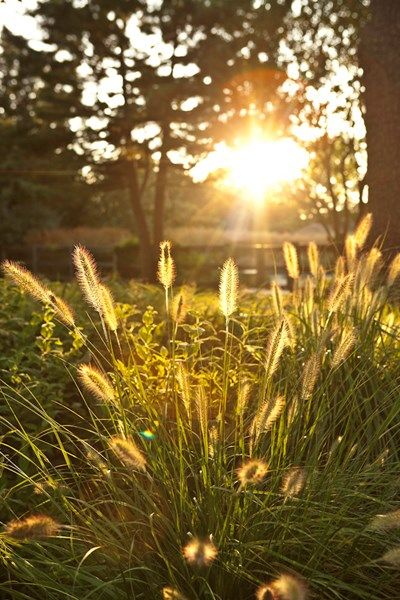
<point x="380" y="60"/>
<point x="160" y="190"/>
<point x="147" y="254"/>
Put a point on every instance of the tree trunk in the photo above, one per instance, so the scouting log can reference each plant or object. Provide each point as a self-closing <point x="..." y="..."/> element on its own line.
<point x="380" y="60"/>
<point x="160" y="190"/>
<point x="147" y="255"/>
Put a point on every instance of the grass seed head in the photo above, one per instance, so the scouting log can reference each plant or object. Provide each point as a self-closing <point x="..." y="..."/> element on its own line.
<point x="313" y="258"/>
<point x="394" y="270"/>
<point x="200" y="553"/>
<point x="107" y="308"/>
<point x="277" y="342"/>
<point x="26" y="281"/>
<point x="179" y="306"/>
<point x="96" y="382"/>
<point x="128" y="453"/>
<point x="228" y="288"/>
<point x="291" y="260"/>
<point x="293" y="482"/>
<point x="386" y="522"/>
<point x="310" y="375"/>
<point x="363" y="230"/>
<point x="252" y="472"/>
<point x="87" y="276"/>
<point x="62" y="310"/>
<point x="344" y="347"/>
<point x="392" y="556"/>
<point x="286" y="587"/>
<point x="32" y="527"/>
<point x="170" y="593"/>
<point x="166" y="266"/>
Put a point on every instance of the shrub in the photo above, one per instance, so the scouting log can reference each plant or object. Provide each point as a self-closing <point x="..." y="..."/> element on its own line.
<point x="239" y="457"/>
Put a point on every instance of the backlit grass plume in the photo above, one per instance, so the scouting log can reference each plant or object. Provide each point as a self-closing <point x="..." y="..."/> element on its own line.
<point x="313" y="258"/>
<point x="277" y="342"/>
<point x="87" y="276"/>
<point x="63" y="311"/>
<point x="30" y="284"/>
<point x="286" y="587"/>
<point x="252" y="472"/>
<point x="345" y="346"/>
<point x="166" y="265"/>
<point x="363" y="230"/>
<point x="293" y="482"/>
<point x="169" y="593"/>
<point x="26" y="281"/>
<point x="199" y="553"/>
<point x="394" y="270"/>
<point x="107" y="308"/>
<point x="228" y="288"/>
<point x="291" y="260"/>
<point x="266" y="416"/>
<point x="386" y="522"/>
<point x="179" y="306"/>
<point x="32" y="527"/>
<point x="96" y="382"/>
<point x="392" y="557"/>
<point x="310" y="375"/>
<point x="128" y="453"/>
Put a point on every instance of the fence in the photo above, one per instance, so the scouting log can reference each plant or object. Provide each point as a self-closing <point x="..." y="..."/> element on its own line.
<point x="258" y="263"/>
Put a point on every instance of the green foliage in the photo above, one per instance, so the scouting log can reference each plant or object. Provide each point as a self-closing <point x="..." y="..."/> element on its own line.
<point x="307" y="380"/>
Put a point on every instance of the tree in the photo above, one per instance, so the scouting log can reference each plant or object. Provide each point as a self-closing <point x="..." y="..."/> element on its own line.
<point x="179" y="72"/>
<point x="380" y="58"/>
<point x="39" y="169"/>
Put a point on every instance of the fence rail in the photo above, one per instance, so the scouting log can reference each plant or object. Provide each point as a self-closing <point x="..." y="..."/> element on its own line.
<point x="258" y="263"/>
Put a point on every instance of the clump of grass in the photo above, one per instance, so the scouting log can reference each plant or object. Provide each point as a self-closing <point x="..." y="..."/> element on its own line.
<point x="215" y="457"/>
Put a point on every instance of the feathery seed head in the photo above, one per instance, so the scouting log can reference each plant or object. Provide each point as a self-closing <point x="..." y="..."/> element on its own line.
<point x="184" y="388"/>
<point x="128" y="453"/>
<point x="277" y="342"/>
<point x="362" y="232"/>
<point x="293" y="482"/>
<point x="243" y="398"/>
<point x="394" y="270"/>
<point x="285" y="587"/>
<point x="228" y="288"/>
<point x="351" y="251"/>
<point x="62" y="310"/>
<point x="344" y="347"/>
<point x="166" y="265"/>
<point x="170" y="593"/>
<point x="267" y="415"/>
<point x="392" y="556"/>
<point x="310" y="375"/>
<point x="32" y="527"/>
<point x="96" y="382"/>
<point x="313" y="258"/>
<point x="340" y="268"/>
<point x="179" y="306"/>
<point x="340" y="292"/>
<point x="291" y="260"/>
<point x="87" y="276"/>
<point x="253" y="471"/>
<point x="25" y="280"/>
<point x="386" y="522"/>
<point x="199" y="553"/>
<point x="277" y="299"/>
<point x="107" y="308"/>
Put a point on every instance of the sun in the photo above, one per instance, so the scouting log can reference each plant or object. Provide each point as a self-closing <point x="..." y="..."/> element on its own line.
<point x="262" y="165"/>
<point x="256" y="166"/>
